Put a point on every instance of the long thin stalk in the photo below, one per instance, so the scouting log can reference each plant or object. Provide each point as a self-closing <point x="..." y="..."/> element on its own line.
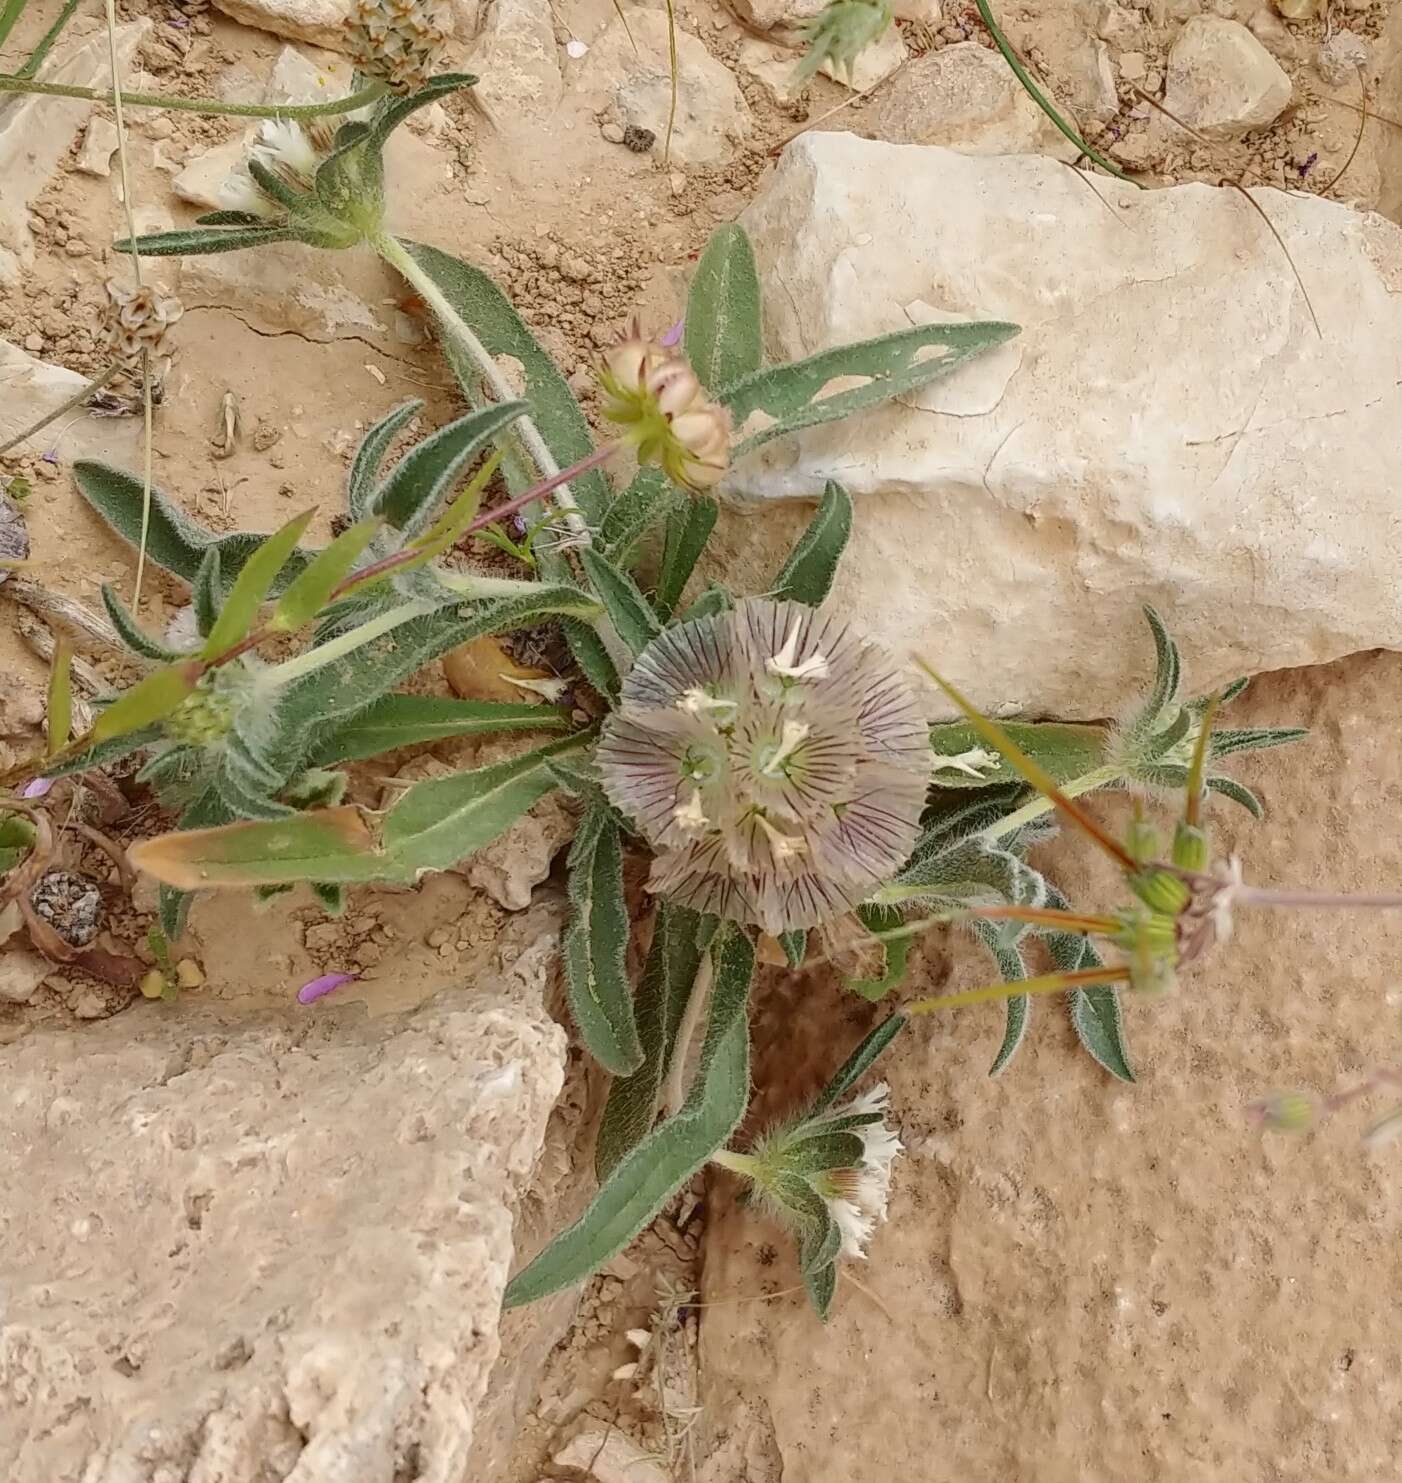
<point x="18" y="83"/>
<point x="1051" y="983"/>
<point x="1100" y="777"/>
<point x="48" y="39"/>
<point x="76" y="400"/>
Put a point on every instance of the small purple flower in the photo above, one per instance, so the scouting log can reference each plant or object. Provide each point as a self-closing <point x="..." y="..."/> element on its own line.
<point x="50" y="457"/>
<point x="316" y="988"/>
<point x="36" y="787"/>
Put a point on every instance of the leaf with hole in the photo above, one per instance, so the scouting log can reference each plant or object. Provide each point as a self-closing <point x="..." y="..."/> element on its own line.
<point x="836" y="383"/>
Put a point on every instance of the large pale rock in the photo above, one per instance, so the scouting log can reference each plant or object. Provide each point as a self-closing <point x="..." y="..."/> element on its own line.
<point x="271" y="1249"/>
<point x="1168" y="428"/>
<point x="1222" y="81"/>
<point x="631" y="80"/>
<point x="1088" y="1282"/>
<point x="517" y="64"/>
<point x="30" y="389"/>
<point x="36" y="132"/>
<point x="963" y="97"/>
<point x="321" y="22"/>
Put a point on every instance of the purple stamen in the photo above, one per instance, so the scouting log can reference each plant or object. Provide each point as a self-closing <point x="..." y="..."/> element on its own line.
<point x="36" y="787"/>
<point x="316" y="988"/>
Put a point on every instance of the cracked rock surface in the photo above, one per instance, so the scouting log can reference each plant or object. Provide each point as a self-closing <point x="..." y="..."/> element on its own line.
<point x="1169" y="427"/>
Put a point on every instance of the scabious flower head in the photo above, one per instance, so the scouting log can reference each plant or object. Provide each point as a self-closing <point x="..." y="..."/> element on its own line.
<point x="776" y="762"/>
<point x="855" y="1189"/>
<point x="651" y="391"/>
<point x="400" y="42"/>
<point x="289" y="151"/>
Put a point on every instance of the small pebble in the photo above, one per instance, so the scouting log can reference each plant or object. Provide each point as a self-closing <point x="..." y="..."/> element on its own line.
<point x="76" y="247"/>
<point x="34" y="343"/>
<point x="612" y="132"/>
<point x="576" y="48"/>
<point x="677" y="181"/>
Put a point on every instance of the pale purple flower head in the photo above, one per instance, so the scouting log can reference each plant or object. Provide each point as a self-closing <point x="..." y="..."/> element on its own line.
<point x="774" y="759"/>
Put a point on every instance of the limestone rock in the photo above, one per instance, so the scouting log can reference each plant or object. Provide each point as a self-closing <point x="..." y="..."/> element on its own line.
<point x="35" y="133"/>
<point x="1090" y="79"/>
<point x="1342" y="57"/>
<point x="1222" y="81"/>
<point x="1031" y="1264"/>
<point x="21" y="973"/>
<point x="873" y="62"/>
<point x="203" y="175"/>
<point x="966" y="98"/>
<point x="516" y="861"/>
<point x="635" y="87"/>
<point x="30" y="389"/>
<point x="787" y="17"/>
<point x="321" y="22"/>
<point x="1224" y="463"/>
<point x="98" y="147"/>
<point x="517" y="64"/>
<point x="771" y="66"/>
<point x="266" y="1248"/>
<point x="610" y="1457"/>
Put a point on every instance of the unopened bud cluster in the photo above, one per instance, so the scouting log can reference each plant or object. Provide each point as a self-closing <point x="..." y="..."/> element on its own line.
<point x="654" y="395"/>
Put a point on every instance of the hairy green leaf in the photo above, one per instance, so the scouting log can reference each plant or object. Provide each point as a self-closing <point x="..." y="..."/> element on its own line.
<point x="1224" y="742"/>
<point x="1066" y="751"/>
<point x="807" y="575"/>
<point x="722" y="327"/>
<point x="595" y="946"/>
<point x="1167" y="677"/>
<point x="768" y="404"/>
<point x="859" y="1062"/>
<point x="896" y="953"/>
<point x="591" y="656"/>
<point x="150" y="699"/>
<point x="420" y="479"/>
<point x="663" y="992"/>
<point x="193" y="241"/>
<point x="647" y="499"/>
<point x="310" y="591"/>
<point x="361" y="483"/>
<point x="689" y="527"/>
<point x="501" y="330"/>
<point x="795" y="946"/>
<point x="409" y="720"/>
<point x="253" y="584"/>
<point x="1012" y="967"/>
<point x="207" y="592"/>
<point x="635" y="621"/>
<point x="645" y="1177"/>
<point x="17" y="837"/>
<point x="58" y="710"/>
<point x="131" y="632"/>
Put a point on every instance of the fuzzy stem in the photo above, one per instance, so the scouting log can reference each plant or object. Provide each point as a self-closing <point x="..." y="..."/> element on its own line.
<point x="18" y="83"/>
<point x="345" y="643"/>
<point x="738" y="1163"/>
<point x="1100" y="777"/>
<point x="1258" y="896"/>
<point x="76" y="400"/>
<point x="674" y="1091"/>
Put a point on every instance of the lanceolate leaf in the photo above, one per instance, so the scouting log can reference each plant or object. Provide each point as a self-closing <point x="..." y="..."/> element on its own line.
<point x="1067" y="752"/>
<point x="596" y="944"/>
<point x="666" y="1158"/>
<point x="859" y="1062"/>
<point x="689" y="527"/>
<point x="360" y="485"/>
<point x="1225" y="741"/>
<point x="635" y="621"/>
<point x="309" y="592"/>
<point x="553" y="406"/>
<point x="58" y="714"/>
<point x="896" y="953"/>
<point x="131" y="632"/>
<point x="646" y="500"/>
<point x="207" y="592"/>
<point x="807" y="575"/>
<point x="1095" y="1013"/>
<point x="433" y="826"/>
<point x="252" y="585"/>
<point x="196" y="240"/>
<point x="591" y="656"/>
<point x="668" y="977"/>
<point x="410" y="720"/>
<point x="723" y="334"/>
<point x="148" y="700"/>
<point x="423" y="476"/>
<point x="1167" y="674"/>
<point x="174" y="541"/>
<point x="783" y="399"/>
<point x="1012" y="967"/>
<point x="795" y="946"/>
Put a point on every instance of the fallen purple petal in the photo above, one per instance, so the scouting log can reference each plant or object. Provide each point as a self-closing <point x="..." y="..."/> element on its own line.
<point x="313" y="990"/>
<point x="51" y="456"/>
<point x="36" y="788"/>
<point x="673" y="337"/>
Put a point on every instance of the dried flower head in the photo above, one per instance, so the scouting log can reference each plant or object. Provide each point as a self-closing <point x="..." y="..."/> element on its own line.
<point x="775" y="760"/>
<point x="139" y="321"/>
<point x="400" y="42"/>
<point x="651" y="391"/>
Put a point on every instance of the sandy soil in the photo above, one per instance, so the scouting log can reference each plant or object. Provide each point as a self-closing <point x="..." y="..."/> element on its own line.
<point x="1044" y="1223"/>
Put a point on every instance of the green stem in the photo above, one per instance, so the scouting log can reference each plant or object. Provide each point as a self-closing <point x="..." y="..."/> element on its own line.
<point x="1100" y="777"/>
<point x="48" y="39"/>
<point x="19" y="83"/>
<point x="1040" y="98"/>
<point x="738" y="1163"/>
<point x="346" y="643"/>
